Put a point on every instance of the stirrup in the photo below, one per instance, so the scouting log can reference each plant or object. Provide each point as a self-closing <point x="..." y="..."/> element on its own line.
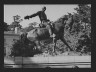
<point x="54" y="35"/>
<point x="51" y="35"/>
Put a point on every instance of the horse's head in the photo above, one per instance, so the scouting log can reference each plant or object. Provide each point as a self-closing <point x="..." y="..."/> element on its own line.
<point x="67" y="18"/>
<point x="70" y="16"/>
<point x="64" y="19"/>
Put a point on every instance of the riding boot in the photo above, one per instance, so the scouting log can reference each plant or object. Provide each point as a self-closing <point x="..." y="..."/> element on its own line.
<point x="50" y="32"/>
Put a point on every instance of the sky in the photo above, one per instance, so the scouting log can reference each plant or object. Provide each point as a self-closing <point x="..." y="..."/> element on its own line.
<point x="53" y="12"/>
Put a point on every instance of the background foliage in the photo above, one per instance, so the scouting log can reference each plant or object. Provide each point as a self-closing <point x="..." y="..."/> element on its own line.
<point x="79" y="38"/>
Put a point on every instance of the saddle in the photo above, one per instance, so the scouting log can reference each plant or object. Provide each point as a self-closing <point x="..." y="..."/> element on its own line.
<point x="42" y="25"/>
<point x="45" y="24"/>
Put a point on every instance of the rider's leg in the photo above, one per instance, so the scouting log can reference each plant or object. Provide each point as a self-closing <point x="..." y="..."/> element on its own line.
<point x="49" y="28"/>
<point x="50" y="31"/>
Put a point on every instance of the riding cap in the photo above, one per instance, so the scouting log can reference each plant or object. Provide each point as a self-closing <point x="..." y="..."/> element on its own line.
<point x="44" y="7"/>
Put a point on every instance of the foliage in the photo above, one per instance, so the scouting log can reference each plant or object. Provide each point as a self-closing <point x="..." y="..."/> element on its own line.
<point x="6" y="26"/>
<point x="84" y="44"/>
<point x="84" y="12"/>
<point x="29" y="28"/>
<point x="33" y="24"/>
<point x="80" y="37"/>
<point x="14" y="24"/>
<point x="23" y="48"/>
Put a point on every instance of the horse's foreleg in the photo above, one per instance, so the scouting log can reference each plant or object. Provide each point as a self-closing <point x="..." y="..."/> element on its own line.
<point x="54" y="42"/>
<point x="70" y="27"/>
<point x="38" y="45"/>
<point x="64" y="41"/>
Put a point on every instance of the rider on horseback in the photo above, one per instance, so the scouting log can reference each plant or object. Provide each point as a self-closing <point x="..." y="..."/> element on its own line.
<point x="43" y="19"/>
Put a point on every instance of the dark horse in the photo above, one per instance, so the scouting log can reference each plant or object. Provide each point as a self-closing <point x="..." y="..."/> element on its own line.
<point x="38" y="34"/>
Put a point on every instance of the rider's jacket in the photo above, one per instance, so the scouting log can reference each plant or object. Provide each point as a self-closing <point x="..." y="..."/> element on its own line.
<point x="41" y="15"/>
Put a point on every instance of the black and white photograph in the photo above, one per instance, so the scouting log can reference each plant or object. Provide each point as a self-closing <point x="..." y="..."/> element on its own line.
<point x="47" y="35"/>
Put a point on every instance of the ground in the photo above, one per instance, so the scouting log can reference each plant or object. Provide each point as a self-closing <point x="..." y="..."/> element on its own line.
<point x="44" y="60"/>
<point x="70" y="53"/>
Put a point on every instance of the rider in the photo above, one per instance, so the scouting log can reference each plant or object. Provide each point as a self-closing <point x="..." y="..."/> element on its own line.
<point x="43" y="19"/>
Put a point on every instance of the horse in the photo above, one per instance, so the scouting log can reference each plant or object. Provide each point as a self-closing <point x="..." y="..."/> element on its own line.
<point x="38" y="34"/>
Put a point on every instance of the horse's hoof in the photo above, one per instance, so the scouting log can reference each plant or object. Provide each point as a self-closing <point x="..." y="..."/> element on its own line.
<point x="71" y="50"/>
<point x="48" y="67"/>
<point x="75" y="67"/>
<point x="53" y="54"/>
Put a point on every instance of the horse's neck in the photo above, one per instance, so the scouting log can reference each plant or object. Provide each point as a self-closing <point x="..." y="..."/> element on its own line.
<point x="70" y="19"/>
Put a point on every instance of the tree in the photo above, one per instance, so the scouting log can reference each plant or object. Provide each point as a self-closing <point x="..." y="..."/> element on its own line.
<point x="33" y="24"/>
<point x="6" y="26"/>
<point x="30" y="27"/>
<point x="84" y="15"/>
<point x="23" y="47"/>
<point x="84" y="11"/>
<point x="16" y="22"/>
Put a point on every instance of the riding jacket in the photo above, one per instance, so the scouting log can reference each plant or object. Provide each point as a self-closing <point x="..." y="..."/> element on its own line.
<point x="41" y="15"/>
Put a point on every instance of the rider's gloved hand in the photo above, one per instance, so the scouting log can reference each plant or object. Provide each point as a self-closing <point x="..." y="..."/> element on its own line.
<point x="27" y="17"/>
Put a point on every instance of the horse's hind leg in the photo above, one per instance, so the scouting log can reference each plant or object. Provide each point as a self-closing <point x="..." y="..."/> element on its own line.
<point x="64" y="41"/>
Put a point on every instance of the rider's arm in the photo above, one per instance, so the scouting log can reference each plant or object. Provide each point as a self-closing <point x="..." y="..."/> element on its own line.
<point x="35" y="14"/>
